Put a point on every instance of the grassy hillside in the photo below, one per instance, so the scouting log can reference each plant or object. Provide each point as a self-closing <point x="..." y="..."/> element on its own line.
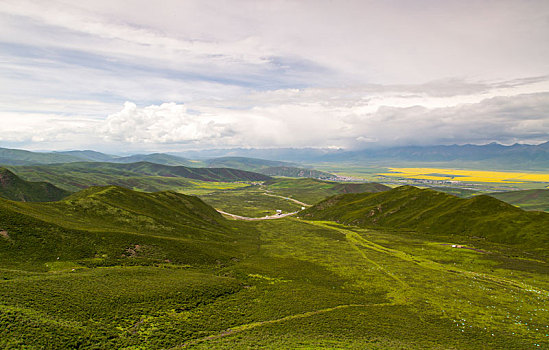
<point x="110" y="268"/>
<point x="437" y="213"/>
<point x="296" y="172"/>
<point x="157" y="158"/>
<point x="244" y="163"/>
<point x="525" y="199"/>
<point x="111" y="224"/>
<point x="371" y="291"/>
<point x="14" y="188"/>
<point x="89" y="156"/>
<point x="142" y="176"/>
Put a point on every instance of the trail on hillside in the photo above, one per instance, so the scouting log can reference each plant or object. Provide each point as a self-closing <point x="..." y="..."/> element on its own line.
<point x="358" y="242"/>
<point x="245" y="327"/>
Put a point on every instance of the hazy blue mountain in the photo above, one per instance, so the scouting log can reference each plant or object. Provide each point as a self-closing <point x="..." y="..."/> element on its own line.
<point x="280" y="154"/>
<point x="157" y="158"/>
<point x="515" y="156"/>
<point x="289" y="171"/>
<point x="245" y="163"/>
<point x="89" y="155"/>
<point x="21" y="157"/>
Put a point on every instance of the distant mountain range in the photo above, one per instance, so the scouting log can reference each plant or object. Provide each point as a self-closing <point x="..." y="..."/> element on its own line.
<point x="268" y="167"/>
<point x="515" y="156"/>
<point x="493" y="155"/>
<point x="245" y="163"/>
<point x="21" y="157"/>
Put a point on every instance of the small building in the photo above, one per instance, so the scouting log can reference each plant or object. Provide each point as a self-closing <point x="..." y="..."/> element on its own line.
<point x="278" y="212"/>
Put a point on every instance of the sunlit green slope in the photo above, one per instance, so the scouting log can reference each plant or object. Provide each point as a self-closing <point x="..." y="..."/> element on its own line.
<point x="437" y="213"/>
<point x="142" y="175"/>
<point x="113" y="224"/>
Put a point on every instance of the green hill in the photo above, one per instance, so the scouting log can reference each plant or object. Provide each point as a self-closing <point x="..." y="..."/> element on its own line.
<point x="16" y="189"/>
<point x="245" y="163"/>
<point x="296" y="172"/>
<point x="526" y="199"/>
<point x="110" y="224"/>
<point x="268" y="167"/>
<point x="436" y="213"/>
<point x="111" y="268"/>
<point x="89" y="156"/>
<point x="157" y="158"/>
<point x="144" y="176"/>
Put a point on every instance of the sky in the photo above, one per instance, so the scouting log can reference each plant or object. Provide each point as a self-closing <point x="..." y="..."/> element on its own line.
<point x="149" y="76"/>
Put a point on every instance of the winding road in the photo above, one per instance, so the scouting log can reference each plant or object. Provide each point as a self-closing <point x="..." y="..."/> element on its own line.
<point x="268" y="217"/>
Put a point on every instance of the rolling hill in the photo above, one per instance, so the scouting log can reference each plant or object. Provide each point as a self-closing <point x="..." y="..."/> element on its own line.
<point x="245" y="163"/>
<point x="111" y="268"/>
<point x="268" y="167"/>
<point x="525" y="199"/>
<point x="141" y="175"/>
<point x="438" y="214"/>
<point x="89" y="156"/>
<point x="102" y="224"/>
<point x="157" y="158"/>
<point x="287" y="171"/>
<point x="14" y="188"/>
<point x="20" y="157"/>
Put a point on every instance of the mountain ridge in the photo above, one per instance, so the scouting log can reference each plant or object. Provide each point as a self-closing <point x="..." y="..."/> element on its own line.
<point x="431" y="212"/>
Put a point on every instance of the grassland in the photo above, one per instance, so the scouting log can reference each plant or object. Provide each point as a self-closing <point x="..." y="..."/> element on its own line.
<point x="251" y="202"/>
<point x="306" y="285"/>
<point x="113" y="268"/>
<point x="284" y="194"/>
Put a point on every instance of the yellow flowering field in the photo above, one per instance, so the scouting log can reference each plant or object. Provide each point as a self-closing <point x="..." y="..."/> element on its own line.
<point x="466" y="175"/>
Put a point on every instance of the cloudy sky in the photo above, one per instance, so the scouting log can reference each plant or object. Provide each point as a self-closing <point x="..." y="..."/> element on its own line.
<point x="123" y="76"/>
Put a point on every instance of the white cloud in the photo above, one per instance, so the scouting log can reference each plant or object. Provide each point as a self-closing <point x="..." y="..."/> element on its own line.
<point x="338" y="123"/>
<point x="167" y="123"/>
